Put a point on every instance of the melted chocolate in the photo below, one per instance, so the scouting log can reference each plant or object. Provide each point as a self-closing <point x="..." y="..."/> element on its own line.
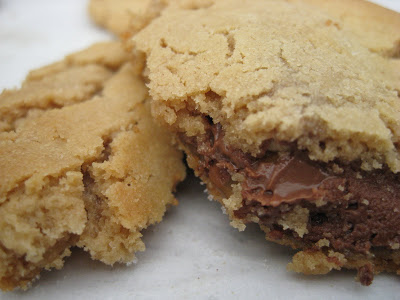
<point x="285" y="179"/>
<point x="361" y="210"/>
<point x="366" y="274"/>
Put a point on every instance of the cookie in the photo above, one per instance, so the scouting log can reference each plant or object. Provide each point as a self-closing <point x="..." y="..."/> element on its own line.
<point x="128" y="16"/>
<point x="290" y="120"/>
<point x="123" y="15"/>
<point x="380" y="34"/>
<point x="82" y="163"/>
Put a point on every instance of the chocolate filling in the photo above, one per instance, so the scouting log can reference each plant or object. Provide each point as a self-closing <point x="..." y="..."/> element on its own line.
<point x="355" y="210"/>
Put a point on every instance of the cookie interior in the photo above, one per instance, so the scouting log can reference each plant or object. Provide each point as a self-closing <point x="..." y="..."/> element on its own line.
<point x="328" y="210"/>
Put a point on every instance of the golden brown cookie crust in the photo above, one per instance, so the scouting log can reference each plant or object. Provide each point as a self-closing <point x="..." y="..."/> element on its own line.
<point x="126" y="17"/>
<point x="237" y="63"/>
<point x="286" y="73"/>
<point x="378" y="28"/>
<point x="121" y="16"/>
<point x="81" y="163"/>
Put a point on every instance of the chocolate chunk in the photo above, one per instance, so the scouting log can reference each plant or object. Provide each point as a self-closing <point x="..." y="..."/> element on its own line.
<point x="355" y="210"/>
<point x="366" y="274"/>
<point x="286" y="179"/>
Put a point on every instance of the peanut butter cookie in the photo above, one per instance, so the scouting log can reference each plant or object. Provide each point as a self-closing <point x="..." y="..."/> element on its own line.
<point x="292" y="121"/>
<point x="81" y="164"/>
<point x="380" y="34"/>
<point x="128" y="16"/>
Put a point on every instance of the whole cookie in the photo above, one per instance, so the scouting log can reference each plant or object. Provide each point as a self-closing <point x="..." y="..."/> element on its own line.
<point x="81" y="164"/>
<point x="291" y="120"/>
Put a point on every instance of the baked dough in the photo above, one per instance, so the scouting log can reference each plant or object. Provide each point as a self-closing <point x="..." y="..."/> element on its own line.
<point x="81" y="164"/>
<point x="291" y="119"/>
<point x="376" y="27"/>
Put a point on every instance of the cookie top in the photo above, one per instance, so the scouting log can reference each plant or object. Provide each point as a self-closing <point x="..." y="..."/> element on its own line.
<point x="119" y="16"/>
<point x="377" y="28"/>
<point x="81" y="163"/>
<point x="274" y="70"/>
<point x="129" y="16"/>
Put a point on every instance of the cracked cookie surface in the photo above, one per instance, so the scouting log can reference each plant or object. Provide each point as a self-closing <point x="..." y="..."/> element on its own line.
<point x="264" y="76"/>
<point x="292" y="121"/>
<point x="128" y="16"/>
<point x="81" y="164"/>
<point x="381" y="34"/>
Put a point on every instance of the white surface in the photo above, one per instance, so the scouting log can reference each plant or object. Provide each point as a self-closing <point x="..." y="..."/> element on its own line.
<point x="193" y="253"/>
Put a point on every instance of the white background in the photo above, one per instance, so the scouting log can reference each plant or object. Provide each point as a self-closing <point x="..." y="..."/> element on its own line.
<point x="193" y="253"/>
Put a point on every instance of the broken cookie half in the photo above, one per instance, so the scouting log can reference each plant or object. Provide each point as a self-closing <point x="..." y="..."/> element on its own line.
<point x="290" y="120"/>
<point x="81" y="164"/>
